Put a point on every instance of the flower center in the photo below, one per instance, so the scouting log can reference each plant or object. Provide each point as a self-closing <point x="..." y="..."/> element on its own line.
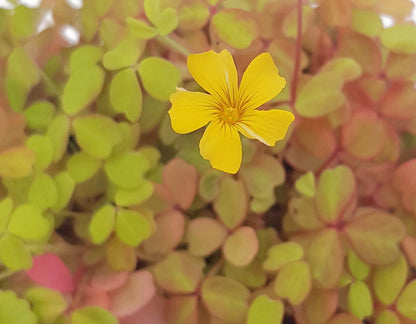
<point x="230" y="115"/>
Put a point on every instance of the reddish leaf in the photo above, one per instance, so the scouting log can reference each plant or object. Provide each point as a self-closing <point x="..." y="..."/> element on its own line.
<point x="48" y="270"/>
<point x="181" y="180"/>
<point x="241" y="246"/>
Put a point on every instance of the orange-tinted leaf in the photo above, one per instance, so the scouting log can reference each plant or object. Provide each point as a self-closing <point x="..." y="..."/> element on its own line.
<point x="344" y="318"/>
<point x="241" y="246"/>
<point x="182" y="310"/>
<point x="336" y="12"/>
<point x="400" y="39"/>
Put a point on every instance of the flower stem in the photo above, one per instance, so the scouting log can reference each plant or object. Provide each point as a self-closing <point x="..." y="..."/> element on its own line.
<point x="173" y="44"/>
<point x="296" y="69"/>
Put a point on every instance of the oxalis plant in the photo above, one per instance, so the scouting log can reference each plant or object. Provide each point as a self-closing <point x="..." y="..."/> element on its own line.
<point x="207" y="162"/>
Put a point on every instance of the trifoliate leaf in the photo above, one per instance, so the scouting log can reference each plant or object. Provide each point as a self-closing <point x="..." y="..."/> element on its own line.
<point x="58" y="133"/>
<point x="159" y="77"/>
<point x="126" y="95"/>
<point x="358" y="268"/>
<point x="39" y="115"/>
<point x="167" y="21"/>
<point x="241" y="246"/>
<point x="84" y="57"/>
<point x="82" y="88"/>
<point x="225" y="298"/>
<point x="82" y="166"/>
<point x="28" y="223"/>
<point x="14" y="310"/>
<point x="305" y="184"/>
<point x="129" y="197"/>
<point x="43" y="192"/>
<point x="14" y="254"/>
<point x="281" y="254"/>
<point x="264" y="310"/>
<point x="251" y="276"/>
<point x="406" y="302"/>
<point x="141" y="29"/>
<point x="132" y="227"/>
<point x="123" y="55"/>
<point x="102" y="223"/>
<point x="120" y="256"/>
<point x="43" y="148"/>
<point x="65" y="186"/>
<point x="97" y="135"/>
<point x="400" y="39"/>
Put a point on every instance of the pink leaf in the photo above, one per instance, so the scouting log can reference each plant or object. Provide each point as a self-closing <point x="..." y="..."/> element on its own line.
<point x="133" y="295"/>
<point x="152" y="313"/>
<point x="108" y="280"/>
<point x="48" y="270"/>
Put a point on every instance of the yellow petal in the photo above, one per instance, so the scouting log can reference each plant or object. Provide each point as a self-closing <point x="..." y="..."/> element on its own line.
<point x="216" y="73"/>
<point x="260" y="83"/>
<point x="267" y="126"/>
<point x="221" y="145"/>
<point x="191" y="110"/>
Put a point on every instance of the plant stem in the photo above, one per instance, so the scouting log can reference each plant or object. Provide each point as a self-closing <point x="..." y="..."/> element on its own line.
<point x="173" y="44"/>
<point x="295" y="77"/>
<point x="49" y="83"/>
<point x="6" y="274"/>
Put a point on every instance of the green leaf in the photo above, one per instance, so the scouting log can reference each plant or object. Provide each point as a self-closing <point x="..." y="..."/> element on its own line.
<point x="152" y="114"/>
<point x="159" y="77"/>
<point x="389" y="280"/>
<point x="23" y="22"/>
<point x="346" y="67"/>
<point x="126" y="95"/>
<point x="126" y="169"/>
<point x="235" y="27"/>
<point x="335" y="189"/>
<point x="325" y="257"/>
<point x="264" y="310"/>
<point x="129" y="197"/>
<point x="14" y="310"/>
<point x="231" y="203"/>
<point x="16" y="94"/>
<point x="82" y="167"/>
<point x="65" y="186"/>
<point x="6" y="208"/>
<point x="241" y="246"/>
<point x="39" y="115"/>
<point x="47" y="304"/>
<point x="225" y="298"/>
<point x="282" y="254"/>
<point x="82" y="88"/>
<point x="152" y="10"/>
<point x="400" y="39"/>
<point x="366" y="22"/>
<point x="58" y="133"/>
<point x="43" y="192"/>
<point x="93" y="315"/>
<point x="305" y="184"/>
<point x="14" y="255"/>
<point x="293" y="282"/>
<point x="84" y="57"/>
<point x="141" y="29"/>
<point x="406" y="302"/>
<point x="387" y="317"/>
<point x="43" y="148"/>
<point x="102" y="224"/>
<point x="132" y="227"/>
<point x="167" y="21"/>
<point x="16" y="162"/>
<point x="205" y="235"/>
<point x="251" y="276"/>
<point x="123" y="55"/>
<point x="180" y="272"/>
<point x="358" y="268"/>
<point x="97" y="134"/>
<point x="28" y="223"/>
<point x="193" y="16"/>
<point x="313" y="101"/>
<point x="375" y="237"/>
<point x="120" y="256"/>
<point x="360" y="302"/>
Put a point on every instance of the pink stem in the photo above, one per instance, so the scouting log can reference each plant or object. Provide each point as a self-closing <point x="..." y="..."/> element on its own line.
<point x="295" y="77"/>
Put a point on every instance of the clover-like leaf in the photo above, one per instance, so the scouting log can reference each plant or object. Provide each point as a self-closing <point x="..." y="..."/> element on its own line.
<point x="389" y="280"/>
<point x="375" y="237"/>
<point x="360" y="302"/>
<point x="179" y="272"/>
<point x="16" y="162"/>
<point x="93" y="315"/>
<point x="102" y="223"/>
<point x="400" y="39"/>
<point x="126" y="95"/>
<point x="305" y="185"/>
<point x="405" y="302"/>
<point x="48" y="304"/>
<point x="82" y="167"/>
<point x="132" y="227"/>
<point x="357" y="267"/>
<point x="325" y="257"/>
<point x="14" y="254"/>
<point x="241" y="246"/>
<point x="387" y="317"/>
<point x="43" y="148"/>
<point x="320" y="305"/>
<point x="43" y="192"/>
<point x="252" y="275"/>
<point x="39" y="115"/>
<point x="265" y="310"/>
<point x="282" y="254"/>
<point x="225" y="298"/>
<point x="159" y="77"/>
<point x="96" y="135"/>
<point x="293" y="282"/>
<point x="84" y="57"/>
<point x="235" y="27"/>
<point x="167" y="21"/>
<point x="125" y="54"/>
<point x="58" y="133"/>
<point x="14" y="310"/>
<point x="141" y="29"/>
<point x="231" y="203"/>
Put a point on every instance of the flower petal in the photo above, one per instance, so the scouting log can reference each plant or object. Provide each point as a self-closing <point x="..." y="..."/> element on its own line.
<point x="216" y="73"/>
<point x="267" y="126"/>
<point x="221" y="145"/>
<point x="260" y="83"/>
<point x="191" y="110"/>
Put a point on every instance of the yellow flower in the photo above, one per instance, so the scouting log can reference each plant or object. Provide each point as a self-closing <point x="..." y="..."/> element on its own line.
<point x="228" y="108"/>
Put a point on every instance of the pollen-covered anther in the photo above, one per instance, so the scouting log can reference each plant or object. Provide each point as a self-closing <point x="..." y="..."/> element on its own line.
<point x="230" y="115"/>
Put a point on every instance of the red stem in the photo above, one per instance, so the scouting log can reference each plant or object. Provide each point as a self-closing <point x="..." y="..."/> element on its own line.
<point x="295" y="77"/>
